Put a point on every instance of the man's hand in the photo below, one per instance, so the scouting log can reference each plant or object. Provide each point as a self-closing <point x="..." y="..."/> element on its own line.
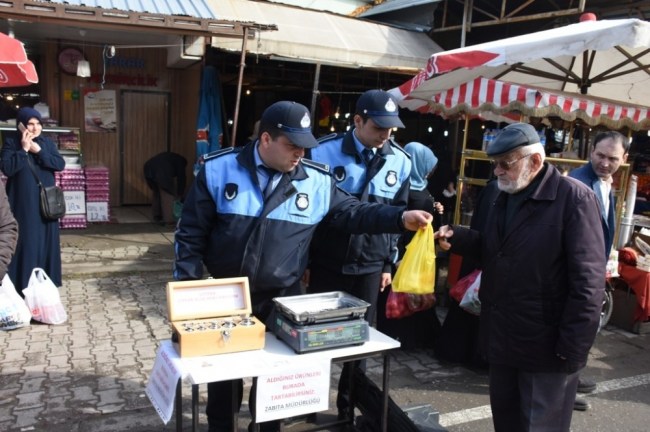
<point x="442" y="235"/>
<point x="416" y="219"/>
<point x="386" y="279"/>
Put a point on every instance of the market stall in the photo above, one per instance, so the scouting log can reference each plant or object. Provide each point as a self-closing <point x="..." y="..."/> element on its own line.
<point x="592" y="73"/>
<point x="487" y="99"/>
<point x="589" y="75"/>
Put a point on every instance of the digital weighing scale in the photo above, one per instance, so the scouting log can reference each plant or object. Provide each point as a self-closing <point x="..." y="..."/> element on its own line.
<point x="314" y="322"/>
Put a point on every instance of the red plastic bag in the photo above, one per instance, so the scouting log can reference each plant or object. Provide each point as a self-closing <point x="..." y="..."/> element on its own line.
<point x="458" y="290"/>
<point x="402" y="305"/>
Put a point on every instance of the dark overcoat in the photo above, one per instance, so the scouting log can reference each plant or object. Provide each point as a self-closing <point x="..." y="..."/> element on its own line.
<point x="38" y="241"/>
<point x="543" y="278"/>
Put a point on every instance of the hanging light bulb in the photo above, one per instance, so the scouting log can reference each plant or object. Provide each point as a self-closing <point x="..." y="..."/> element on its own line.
<point x="83" y="68"/>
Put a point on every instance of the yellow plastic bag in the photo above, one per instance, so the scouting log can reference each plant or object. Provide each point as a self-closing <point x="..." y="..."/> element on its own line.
<point x="417" y="272"/>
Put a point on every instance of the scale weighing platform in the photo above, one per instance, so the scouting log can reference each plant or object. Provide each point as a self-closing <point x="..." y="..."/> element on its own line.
<point x="314" y="322"/>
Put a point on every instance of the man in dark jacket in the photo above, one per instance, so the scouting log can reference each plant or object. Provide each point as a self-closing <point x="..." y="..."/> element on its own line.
<point x="542" y="284"/>
<point x="609" y="153"/>
<point x="252" y="211"/>
<point x="165" y="176"/>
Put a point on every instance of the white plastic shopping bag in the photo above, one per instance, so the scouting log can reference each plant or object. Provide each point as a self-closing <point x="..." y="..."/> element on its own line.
<point x="14" y="313"/>
<point x="470" y="302"/>
<point x="43" y="299"/>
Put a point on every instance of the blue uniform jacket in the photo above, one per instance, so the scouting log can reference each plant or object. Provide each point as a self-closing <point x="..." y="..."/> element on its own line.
<point x="226" y="225"/>
<point x="587" y="175"/>
<point x="385" y="180"/>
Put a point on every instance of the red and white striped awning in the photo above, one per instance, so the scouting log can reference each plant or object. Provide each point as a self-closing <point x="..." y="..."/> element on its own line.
<point x="484" y="95"/>
<point x="607" y="62"/>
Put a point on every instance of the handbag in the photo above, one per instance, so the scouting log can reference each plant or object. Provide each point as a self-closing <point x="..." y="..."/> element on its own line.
<point x="52" y="200"/>
<point x="14" y="313"/>
<point x="417" y="272"/>
<point x="43" y="299"/>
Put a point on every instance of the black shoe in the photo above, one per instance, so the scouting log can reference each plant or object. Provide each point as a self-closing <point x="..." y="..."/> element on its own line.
<point x="586" y="385"/>
<point x="581" y="404"/>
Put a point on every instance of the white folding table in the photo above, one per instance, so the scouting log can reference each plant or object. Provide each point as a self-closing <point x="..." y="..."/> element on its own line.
<point x="275" y="357"/>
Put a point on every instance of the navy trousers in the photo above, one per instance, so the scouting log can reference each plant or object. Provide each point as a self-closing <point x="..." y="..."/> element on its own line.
<point x="531" y="401"/>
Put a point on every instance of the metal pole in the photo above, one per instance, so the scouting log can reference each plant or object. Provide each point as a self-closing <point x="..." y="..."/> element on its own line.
<point x="242" y="65"/>
<point x="314" y="96"/>
<point x="461" y="176"/>
<point x="466" y="17"/>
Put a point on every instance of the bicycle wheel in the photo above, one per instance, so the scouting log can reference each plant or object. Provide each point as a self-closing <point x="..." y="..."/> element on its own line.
<point x="608" y="306"/>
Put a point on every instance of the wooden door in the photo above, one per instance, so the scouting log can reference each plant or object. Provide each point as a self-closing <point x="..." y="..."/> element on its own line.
<point x="145" y="133"/>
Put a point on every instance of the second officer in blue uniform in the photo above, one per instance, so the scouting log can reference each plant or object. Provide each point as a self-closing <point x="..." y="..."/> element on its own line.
<point x="366" y="163"/>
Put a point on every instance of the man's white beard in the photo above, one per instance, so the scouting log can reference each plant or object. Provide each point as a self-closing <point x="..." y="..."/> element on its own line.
<point x="512" y="187"/>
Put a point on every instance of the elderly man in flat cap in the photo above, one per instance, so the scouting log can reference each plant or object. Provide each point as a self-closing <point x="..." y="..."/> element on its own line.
<point x="542" y="284"/>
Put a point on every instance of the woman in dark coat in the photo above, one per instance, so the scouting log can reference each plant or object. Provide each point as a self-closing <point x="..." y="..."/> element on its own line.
<point x="418" y="330"/>
<point x="38" y="242"/>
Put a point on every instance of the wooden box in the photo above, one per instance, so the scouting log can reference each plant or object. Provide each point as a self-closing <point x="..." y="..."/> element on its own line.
<point x="213" y="316"/>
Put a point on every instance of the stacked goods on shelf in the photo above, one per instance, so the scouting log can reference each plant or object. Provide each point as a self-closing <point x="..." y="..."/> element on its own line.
<point x="73" y="182"/>
<point x="69" y="141"/>
<point x="97" y="194"/>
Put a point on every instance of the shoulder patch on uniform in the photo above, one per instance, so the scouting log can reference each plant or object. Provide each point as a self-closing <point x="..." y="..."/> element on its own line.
<point x="217" y="153"/>
<point x="329" y="137"/>
<point x="396" y="146"/>
<point x="319" y="166"/>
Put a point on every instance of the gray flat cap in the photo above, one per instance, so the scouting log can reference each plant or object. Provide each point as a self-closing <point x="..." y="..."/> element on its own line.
<point x="511" y="137"/>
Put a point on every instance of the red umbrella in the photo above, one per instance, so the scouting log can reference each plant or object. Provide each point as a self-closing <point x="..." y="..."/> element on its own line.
<point x="15" y="69"/>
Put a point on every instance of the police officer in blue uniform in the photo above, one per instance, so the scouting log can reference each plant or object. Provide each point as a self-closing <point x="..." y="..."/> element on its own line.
<point x="252" y="211"/>
<point x="370" y="166"/>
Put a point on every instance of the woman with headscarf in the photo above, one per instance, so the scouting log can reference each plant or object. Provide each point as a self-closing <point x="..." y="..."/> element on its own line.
<point x="419" y="329"/>
<point x="27" y="153"/>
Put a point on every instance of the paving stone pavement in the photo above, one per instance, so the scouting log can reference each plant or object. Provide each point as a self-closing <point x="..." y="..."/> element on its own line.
<point x="89" y="374"/>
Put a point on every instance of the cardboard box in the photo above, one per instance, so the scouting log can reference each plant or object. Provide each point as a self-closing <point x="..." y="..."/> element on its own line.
<point x="213" y="316"/>
<point x="625" y="305"/>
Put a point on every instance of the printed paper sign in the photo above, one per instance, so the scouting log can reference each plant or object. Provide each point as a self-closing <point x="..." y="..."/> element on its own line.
<point x="161" y="387"/>
<point x="97" y="212"/>
<point x="75" y="202"/>
<point x="100" y="111"/>
<point x="300" y="390"/>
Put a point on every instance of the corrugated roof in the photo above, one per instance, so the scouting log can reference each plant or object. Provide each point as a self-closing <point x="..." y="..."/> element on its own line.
<point x="321" y="37"/>
<point x="191" y="8"/>
<point x="395" y="5"/>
